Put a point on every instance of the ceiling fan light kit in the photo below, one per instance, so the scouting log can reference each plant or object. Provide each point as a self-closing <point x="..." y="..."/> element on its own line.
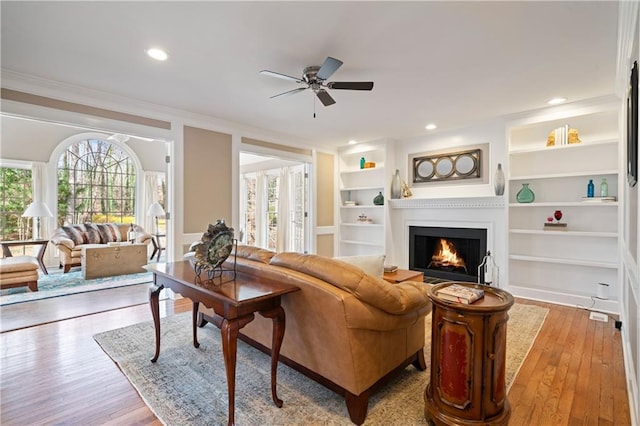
<point x="315" y="78"/>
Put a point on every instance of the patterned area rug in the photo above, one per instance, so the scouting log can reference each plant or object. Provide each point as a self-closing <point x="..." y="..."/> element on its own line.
<point x="188" y="385"/>
<point x="58" y="284"/>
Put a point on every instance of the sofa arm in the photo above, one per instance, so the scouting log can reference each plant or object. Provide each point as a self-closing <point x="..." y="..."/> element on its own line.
<point x="61" y="241"/>
<point x="142" y="237"/>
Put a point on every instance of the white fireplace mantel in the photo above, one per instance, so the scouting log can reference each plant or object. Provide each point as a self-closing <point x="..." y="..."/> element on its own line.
<point x="448" y="203"/>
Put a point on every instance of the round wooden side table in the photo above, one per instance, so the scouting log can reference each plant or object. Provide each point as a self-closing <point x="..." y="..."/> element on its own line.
<point x="468" y="357"/>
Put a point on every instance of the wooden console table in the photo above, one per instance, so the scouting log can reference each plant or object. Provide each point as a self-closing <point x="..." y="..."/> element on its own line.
<point x="234" y="301"/>
<point x="468" y="360"/>
<point x="6" y="251"/>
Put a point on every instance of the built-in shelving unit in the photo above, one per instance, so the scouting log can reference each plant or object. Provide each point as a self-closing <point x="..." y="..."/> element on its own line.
<point x="565" y="266"/>
<point x="361" y="186"/>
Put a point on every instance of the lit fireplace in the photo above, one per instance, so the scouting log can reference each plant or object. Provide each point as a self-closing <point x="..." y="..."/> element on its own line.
<point x="447" y="253"/>
<point x="446" y="257"/>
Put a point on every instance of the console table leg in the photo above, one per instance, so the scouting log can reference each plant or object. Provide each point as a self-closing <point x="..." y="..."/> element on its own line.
<point x="229" y="330"/>
<point x="278" y="319"/>
<point x="154" y="303"/>
<point x="194" y="321"/>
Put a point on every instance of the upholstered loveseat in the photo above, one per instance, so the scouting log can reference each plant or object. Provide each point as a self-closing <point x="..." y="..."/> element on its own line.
<point x="70" y="239"/>
<point x="348" y="330"/>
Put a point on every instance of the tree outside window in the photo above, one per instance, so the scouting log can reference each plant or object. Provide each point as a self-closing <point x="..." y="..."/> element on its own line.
<point x="96" y="183"/>
<point x="16" y="195"/>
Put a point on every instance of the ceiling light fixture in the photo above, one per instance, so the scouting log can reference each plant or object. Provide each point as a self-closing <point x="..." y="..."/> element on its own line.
<point x="352" y="142"/>
<point x="557" y="101"/>
<point x="157" y="54"/>
<point x="430" y="126"/>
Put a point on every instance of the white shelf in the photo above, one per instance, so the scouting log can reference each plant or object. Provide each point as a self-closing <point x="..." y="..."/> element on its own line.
<point x="363" y="188"/>
<point x="564" y="264"/>
<point x="369" y="170"/>
<point x="545" y="148"/>
<point x="564" y="261"/>
<point x="362" y="243"/>
<point x="363" y="206"/>
<point x="362" y="225"/>
<point x="566" y="175"/>
<point x="565" y="204"/>
<point x="564" y="233"/>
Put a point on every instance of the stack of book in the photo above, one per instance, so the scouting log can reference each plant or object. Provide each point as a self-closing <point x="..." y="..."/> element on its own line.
<point x="390" y="268"/>
<point x="460" y="293"/>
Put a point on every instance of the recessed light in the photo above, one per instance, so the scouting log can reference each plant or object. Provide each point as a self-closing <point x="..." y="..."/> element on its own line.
<point x="430" y="126"/>
<point x="557" y="101"/>
<point x="352" y="142"/>
<point x="157" y="54"/>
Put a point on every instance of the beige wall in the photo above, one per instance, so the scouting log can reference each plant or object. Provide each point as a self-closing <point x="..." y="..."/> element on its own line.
<point x="207" y="178"/>
<point x="324" y="245"/>
<point x="325" y="197"/>
<point x="324" y="201"/>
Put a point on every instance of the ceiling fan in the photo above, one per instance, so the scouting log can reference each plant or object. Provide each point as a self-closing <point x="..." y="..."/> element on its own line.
<point x="315" y="78"/>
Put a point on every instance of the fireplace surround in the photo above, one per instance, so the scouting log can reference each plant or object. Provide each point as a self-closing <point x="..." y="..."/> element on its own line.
<point x="447" y="253"/>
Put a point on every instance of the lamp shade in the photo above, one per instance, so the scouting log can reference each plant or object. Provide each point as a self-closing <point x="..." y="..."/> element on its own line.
<point x="37" y="209"/>
<point x="155" y="209"/>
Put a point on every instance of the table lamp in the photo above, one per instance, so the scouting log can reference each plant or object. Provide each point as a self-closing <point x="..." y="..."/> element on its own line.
<point x="36" y="210"/>
<point x="156" y="211"/>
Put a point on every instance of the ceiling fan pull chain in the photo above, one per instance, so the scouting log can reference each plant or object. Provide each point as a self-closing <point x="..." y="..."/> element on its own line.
<point x="314" y="107"/>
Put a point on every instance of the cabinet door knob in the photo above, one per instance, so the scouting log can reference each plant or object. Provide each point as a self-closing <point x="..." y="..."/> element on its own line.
<point x="492" y="356"/>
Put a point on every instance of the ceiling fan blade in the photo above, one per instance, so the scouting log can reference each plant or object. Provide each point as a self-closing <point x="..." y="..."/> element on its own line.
<point x="329" y="66"/>
<point x="325" y="98"/>
<point x="290" y="92"/>
<point x="282" y="76"/>
<point x="351" y="85"/>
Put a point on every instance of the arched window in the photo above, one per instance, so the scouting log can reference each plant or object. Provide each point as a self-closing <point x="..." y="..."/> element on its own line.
<point x="96" y="183"/>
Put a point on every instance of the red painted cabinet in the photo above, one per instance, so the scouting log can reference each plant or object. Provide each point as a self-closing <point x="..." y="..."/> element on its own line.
<point x="468" y="357"/>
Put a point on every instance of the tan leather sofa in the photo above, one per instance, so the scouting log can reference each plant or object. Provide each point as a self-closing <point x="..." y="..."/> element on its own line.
<point x="345" y="329"/>
<point x="71" y="239"/>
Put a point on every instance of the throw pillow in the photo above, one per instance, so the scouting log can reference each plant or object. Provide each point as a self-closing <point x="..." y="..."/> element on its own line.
<point x="75" y="233"/>
<point x="93" y="235"/>
<point x="370" y="264"/>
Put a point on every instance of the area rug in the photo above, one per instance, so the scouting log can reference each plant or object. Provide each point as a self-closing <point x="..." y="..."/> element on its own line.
<point x="58" y="284"/>
<point x="187" y="386"/>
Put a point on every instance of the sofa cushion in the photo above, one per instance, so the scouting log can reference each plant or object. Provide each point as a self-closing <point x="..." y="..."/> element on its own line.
<point x="109" y="232"/>
<point x="254" y="253"/>
<point x="93" y="235"/>
<point x="75" y="233"/>
<point x="18" y="264"/>
<point x="371" y="264"/>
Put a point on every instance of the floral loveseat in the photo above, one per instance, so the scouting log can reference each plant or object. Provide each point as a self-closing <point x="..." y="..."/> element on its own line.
<point x="70" y="239"/>
<point x="346" y="329"/>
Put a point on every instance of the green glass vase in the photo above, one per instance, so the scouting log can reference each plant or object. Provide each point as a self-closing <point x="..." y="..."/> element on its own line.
<point x="525" y="195"/>
<point x="379" y="200"/>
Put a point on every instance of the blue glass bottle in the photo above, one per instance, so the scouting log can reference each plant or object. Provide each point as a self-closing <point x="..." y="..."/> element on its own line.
<point x="590" y="188"/>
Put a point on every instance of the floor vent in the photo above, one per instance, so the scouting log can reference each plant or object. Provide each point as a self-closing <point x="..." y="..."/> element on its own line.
<point x="597" y="316"/>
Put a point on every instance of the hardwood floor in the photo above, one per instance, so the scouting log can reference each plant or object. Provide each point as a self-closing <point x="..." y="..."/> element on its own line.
<point x="56" y="374"/>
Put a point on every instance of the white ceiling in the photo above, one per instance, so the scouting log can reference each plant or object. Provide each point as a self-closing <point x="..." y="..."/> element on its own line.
<point x="452" y="63"/>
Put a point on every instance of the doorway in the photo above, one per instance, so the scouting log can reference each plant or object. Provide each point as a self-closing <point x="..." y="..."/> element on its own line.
<point x="274" y="203"/>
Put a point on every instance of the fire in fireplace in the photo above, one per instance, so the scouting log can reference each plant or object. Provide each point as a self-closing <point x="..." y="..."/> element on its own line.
<point x="447" y="253"/>
<point x="446" y="258"/>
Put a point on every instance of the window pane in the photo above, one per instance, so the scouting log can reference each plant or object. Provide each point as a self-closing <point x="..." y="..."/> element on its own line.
<point x="16" y="196"/>
<point x="96" y="183"/>
<point x="273" y="183"/>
